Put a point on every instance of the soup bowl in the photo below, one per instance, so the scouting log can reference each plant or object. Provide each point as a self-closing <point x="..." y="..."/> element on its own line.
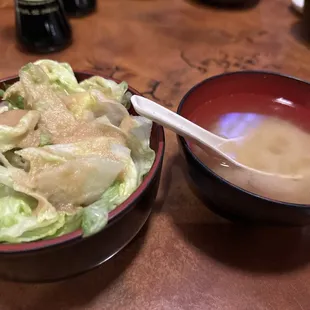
<point x="72" y="254"/>
<point x="254" y="94"/>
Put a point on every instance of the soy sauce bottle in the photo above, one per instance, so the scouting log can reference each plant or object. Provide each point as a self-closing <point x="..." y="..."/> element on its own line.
<point x="229" y="3"/>
<point x="305" y="24"/>
<point x="42" y="26"/>
<point x="79" y="8"/>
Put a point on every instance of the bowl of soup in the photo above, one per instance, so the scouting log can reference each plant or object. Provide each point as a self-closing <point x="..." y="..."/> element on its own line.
<point x="270" y="113"/>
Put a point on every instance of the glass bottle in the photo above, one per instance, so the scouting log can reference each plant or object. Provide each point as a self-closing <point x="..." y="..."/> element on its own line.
<point x="305" y="24"/>
<point x="79" y="8"/>
<point x="42" y="26"/>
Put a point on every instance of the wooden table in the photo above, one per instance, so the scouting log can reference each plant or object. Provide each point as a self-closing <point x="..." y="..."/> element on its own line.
<point x="187" y="258"/>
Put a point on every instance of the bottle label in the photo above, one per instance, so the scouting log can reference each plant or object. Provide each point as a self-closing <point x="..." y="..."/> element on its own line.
<point x="37" y="7"/>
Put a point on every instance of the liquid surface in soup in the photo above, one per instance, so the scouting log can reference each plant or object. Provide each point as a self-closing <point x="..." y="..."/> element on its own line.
<point x="275" y="139"/>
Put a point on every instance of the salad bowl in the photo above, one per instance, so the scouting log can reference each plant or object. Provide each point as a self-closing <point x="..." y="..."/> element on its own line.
<point x="56" y="258"/>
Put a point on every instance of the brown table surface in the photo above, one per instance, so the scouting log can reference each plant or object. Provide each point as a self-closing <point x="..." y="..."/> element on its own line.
<point x="186" y="257"/>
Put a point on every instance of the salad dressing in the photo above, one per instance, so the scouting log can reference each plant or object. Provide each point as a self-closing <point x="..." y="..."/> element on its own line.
<point x="11" y="118"/>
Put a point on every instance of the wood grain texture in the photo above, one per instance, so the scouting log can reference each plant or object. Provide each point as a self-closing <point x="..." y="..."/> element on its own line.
<point x="187" y="258"/>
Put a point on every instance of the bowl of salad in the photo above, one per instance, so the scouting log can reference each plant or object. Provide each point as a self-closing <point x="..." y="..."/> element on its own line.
<point x="78" y="171"/>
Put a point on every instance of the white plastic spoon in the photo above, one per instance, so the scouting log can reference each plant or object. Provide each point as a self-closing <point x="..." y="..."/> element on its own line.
<point x="187" y="129"/>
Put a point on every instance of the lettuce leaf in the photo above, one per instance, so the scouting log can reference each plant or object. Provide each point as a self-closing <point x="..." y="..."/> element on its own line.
<point x="71" y="184"/>
<point x="61" y="76"/>
<point x="95" y="218"/>
<point x="138" y="130"/>
<point x="27" y="216"/>
<point x="82" y="105"/>
<point x="62" y="172"/>
<point x="73" y="221"/>
<point x="14" y="96"/>
<point x="18" y="222"/>
<point x="11" y="137"/>
<point x="92" y="104"/>
<point x="55" y="118"/>
<point x="109" y="88"/>
<point x="96" y="215"/>
<point x="110" y="108"/>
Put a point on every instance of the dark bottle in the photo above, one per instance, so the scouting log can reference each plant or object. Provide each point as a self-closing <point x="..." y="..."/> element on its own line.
<point x="79" y="8"/>
<point x="305" y="29"/>
<point x="231" y="3"/>
<point x="42" y="26"/>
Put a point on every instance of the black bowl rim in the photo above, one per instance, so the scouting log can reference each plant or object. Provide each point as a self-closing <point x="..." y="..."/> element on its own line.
<point x="76" y="235"/>
<point x="210" y="171"/>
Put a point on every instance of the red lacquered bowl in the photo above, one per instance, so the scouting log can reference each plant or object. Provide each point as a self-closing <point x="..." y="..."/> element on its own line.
<point x="71" y="254"/>
<point x="252" y="92"/>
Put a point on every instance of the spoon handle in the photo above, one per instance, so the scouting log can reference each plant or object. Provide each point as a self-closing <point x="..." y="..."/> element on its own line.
<point x="175" y="122"/>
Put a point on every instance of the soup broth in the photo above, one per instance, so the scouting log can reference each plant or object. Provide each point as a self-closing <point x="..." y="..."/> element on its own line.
<point x="273" y="142"/>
